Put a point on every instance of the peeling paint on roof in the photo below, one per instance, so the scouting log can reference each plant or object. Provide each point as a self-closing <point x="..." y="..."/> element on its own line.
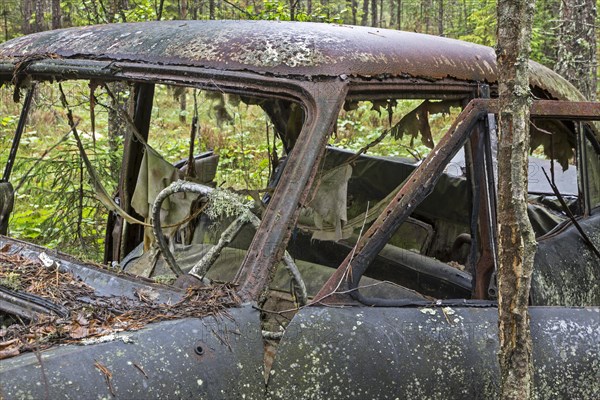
<point x="280" y="48"/>
<point x="267" y="47"/>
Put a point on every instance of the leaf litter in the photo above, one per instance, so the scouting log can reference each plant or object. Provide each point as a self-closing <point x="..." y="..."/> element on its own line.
<point x="87" y="314"/>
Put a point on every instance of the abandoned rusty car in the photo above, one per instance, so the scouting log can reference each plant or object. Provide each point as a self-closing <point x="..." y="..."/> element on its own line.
<point x="356" y="262"/>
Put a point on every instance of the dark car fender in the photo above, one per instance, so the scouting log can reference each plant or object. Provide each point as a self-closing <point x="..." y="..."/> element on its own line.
<point x="430" y="353"/>
<point x="196" y="358"/>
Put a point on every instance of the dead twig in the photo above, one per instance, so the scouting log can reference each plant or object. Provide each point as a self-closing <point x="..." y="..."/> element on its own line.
<point x="107" y="376"/>
<point x="139" y="367"/>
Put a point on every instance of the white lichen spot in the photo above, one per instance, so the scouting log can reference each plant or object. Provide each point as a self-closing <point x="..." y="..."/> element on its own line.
<point x="448" y="311"/>
<point x="200" y="382"/>
<point x="429" y="311"/>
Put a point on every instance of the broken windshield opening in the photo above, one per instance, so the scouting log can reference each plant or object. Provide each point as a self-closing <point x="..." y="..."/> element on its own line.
<point x="230" y="147"/>
<point x="234" y="144"/>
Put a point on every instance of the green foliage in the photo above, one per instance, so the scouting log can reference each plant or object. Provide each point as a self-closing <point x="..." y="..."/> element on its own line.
<point x="55" y="204"/>
<point x="481" y="24"/>
<point x="543" y="40"/>
<point x="57" y="207"/>
<point x="363" y="125"/>
<point x="281" y="11"/>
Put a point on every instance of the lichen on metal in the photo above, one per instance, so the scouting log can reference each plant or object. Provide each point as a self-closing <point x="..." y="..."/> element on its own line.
<point x="280" y="49"/>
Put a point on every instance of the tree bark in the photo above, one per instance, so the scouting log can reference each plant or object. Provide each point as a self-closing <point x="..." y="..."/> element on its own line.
<point x="211" y="9"/>
<point x="426" y="7"/>
<point x="56" y="14"/>
<point x="159" y="9"/>
<point x="516" y="238"/>
<point x="5" y="13"/>
<point x="374" y="14"/>
<point x="292" y="10"/>
<point x="39" y="16"/>
<point x="27" y="8"/>
<point x="577" y="60"/>
<point x="399" y="11"/>
<point x="365" y="15"/>
<point x="441" y="17"/>
<point x="194" y="9"/>
<point x="183" y="9"/>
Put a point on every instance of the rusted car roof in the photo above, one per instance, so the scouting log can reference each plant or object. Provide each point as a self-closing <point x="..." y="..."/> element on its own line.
<point x="280" y="48"/>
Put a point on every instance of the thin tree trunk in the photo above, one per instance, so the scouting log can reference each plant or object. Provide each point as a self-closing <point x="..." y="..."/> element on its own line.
<point x="183" y="9"/>
<point x="27" y="10"/>
<point x="5" y="13"/>
<point x="374" y="15"/>
<point x="159" y="10"/>
<point x="326" y="8"/>
<point x="365" y="15"/>
<point x="121" y="7"/>
<point x="56" y="14"/>
<point x="516" y="238"/>
<point x="465" y="18"/>
<point x="116" y="126"/>
<point x="418" y="18"/>
<point x="194" y="9"/>
<point x="426" y="10"/>
<point x="441" y="17"/>
<point x="211" y="9"/>
<point x="354" y="11"/>
<point x="39" y="16"/>
<point x="182" y="105"/>
<point x="399" y="11"/>
<point x="577" y="60"/>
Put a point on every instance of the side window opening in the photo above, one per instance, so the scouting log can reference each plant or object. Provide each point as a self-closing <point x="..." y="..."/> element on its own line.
<point x="236" y="151"/>
<point x="569" y="160"/>
<point x="55" y="204"/>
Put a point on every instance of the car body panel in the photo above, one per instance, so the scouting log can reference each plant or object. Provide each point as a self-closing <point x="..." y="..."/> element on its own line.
<point x="562" y="253"/>
<point x="429" y="353"/>
<point x="211" y="357"/>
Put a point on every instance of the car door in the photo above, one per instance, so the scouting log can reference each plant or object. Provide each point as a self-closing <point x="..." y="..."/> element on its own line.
<point x="348" y="345"/>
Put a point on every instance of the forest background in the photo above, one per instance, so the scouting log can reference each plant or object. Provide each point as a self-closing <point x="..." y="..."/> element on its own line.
<point x="565" y="35"/>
